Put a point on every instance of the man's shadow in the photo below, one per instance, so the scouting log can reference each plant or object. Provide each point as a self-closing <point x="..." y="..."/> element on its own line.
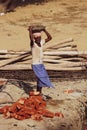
<point x="27" y="87"/>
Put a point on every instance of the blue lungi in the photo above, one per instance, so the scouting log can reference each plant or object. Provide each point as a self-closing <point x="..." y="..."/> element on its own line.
<point x="42" y="76"/>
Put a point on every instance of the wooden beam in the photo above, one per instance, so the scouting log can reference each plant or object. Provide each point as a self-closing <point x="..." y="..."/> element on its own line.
<point x="47" y="66"/>
<point x="15" y="59"/>
<point x="65" y="52"/>
<point x="59" y="43"/>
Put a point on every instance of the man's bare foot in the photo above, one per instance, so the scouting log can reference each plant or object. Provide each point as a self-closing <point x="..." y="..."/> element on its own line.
<point x="37" y="93"/>
<point x="32" y="93"/>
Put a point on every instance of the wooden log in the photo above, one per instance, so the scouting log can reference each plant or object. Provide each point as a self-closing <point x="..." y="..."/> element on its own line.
<point x="15" y="59"/>
<point x="67" y="49"/>
<point x="12" y="52"/>
<point x="26" y="59"/>
<point x="74" y="59"/>
<point x="17" y="52"/>
<point x="7" y="56"/>
<point x="51" y="57"/>
<point x="65" y="63"/>
<point x="65" y="45"/>
<point x="47" y="66"/>
<point x="59" y="43"/>
<point x="16" y="67"/>
<point x="65" y="53"/>
<point x="24" y="62"/>
<point x="2" y="52"/>
<point x="54" y="61"/>
<point x="59" y="68"/>
<point x="57" y="47"/>
<point x="60" y="53"/>
<point x="62" y="47"/>
<point x="74" y="64"/>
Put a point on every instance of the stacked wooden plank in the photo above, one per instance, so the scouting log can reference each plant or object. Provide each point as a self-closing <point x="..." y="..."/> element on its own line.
<point x="59" y="56"/>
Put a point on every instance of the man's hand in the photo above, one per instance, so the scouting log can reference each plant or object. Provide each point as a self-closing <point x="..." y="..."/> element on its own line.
<point x="30" y="28"/>
<point x="44" y="29"/>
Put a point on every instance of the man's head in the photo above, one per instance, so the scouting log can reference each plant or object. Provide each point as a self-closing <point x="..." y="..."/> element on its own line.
<point x="37" y="37"/>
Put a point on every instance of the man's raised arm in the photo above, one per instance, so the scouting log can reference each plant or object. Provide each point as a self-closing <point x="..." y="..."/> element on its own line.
<point x="49" y="37"/>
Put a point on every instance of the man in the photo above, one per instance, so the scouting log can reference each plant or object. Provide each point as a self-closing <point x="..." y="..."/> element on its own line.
<point x="36" y="43"/>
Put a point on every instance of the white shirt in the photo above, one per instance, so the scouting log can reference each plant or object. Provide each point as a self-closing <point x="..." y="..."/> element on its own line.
<point x="37" y="53"/>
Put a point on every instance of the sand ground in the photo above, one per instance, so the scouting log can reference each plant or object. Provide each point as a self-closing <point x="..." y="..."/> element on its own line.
<point x="63" y="19"/>
<point x="71" y="105"/>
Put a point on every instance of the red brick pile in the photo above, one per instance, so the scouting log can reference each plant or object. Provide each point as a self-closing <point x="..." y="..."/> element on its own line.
<point x="33" y="107"/>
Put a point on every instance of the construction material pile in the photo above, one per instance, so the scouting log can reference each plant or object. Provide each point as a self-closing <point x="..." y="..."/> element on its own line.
<point x="33" y="107"/>
<point x="58" y="56"/>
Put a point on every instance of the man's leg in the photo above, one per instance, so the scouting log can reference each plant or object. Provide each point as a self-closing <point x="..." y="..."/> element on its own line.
<point x="39" y="89"/>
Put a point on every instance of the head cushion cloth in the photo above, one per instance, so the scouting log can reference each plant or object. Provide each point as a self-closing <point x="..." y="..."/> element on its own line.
<point x="37" y="34"/>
